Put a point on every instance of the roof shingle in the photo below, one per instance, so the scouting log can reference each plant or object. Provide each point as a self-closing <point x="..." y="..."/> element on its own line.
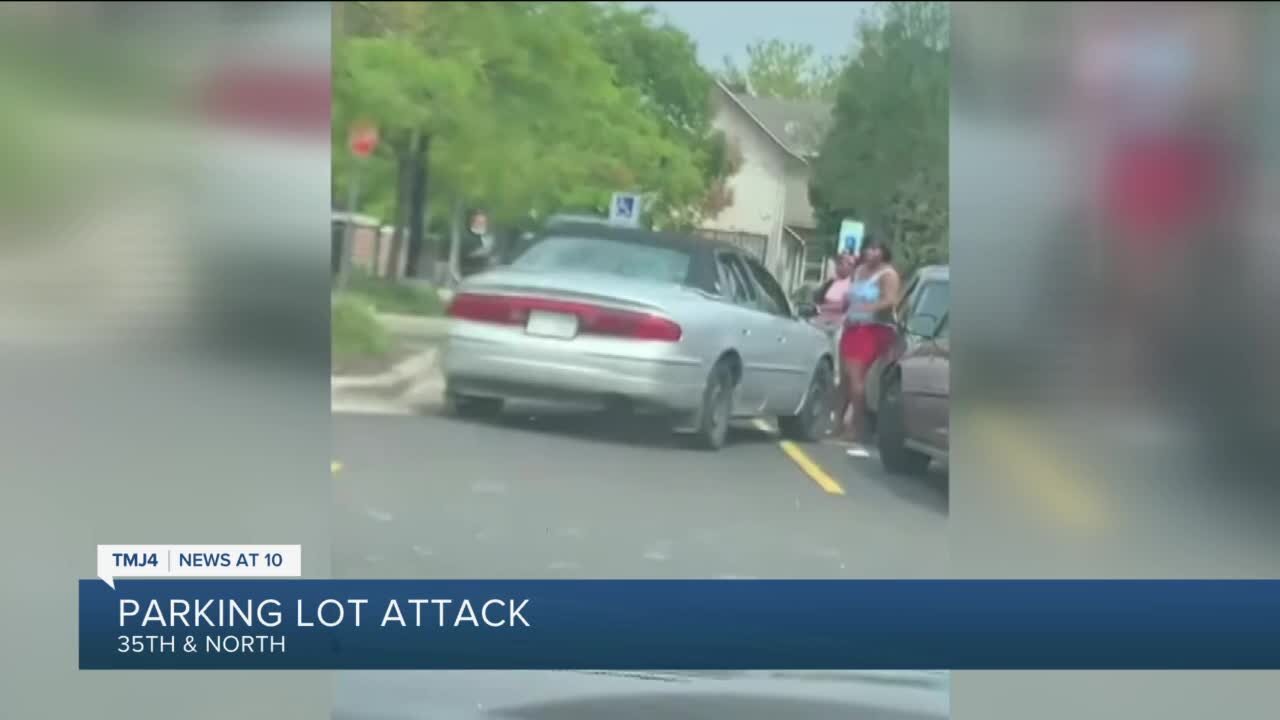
<point x="799" y="125"/>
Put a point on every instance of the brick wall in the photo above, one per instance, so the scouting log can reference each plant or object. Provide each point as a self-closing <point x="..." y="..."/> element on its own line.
<point x="364" y="243"/>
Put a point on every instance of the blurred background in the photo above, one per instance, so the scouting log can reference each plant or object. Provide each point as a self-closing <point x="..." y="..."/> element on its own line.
<point x="163" y="328"/>
<point x="1110" y="171"/>
<point x="1112" y="231"/>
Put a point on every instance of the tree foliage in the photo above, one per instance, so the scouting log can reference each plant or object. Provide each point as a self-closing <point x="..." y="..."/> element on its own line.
<point x="784" y="70"/>
<point x="659" y="62"/>
<point x="529" y="106"/>
<point x="885" y="161"/>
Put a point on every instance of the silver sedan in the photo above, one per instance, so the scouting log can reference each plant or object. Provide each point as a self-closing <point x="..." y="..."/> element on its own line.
<point x="689" y="328"/>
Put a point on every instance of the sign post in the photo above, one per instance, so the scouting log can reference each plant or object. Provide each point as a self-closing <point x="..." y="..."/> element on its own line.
<point x="362" y="140"/>
<point x="624" y="209"/>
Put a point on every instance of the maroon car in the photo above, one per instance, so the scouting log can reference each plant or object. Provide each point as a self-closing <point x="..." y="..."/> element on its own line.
<point x="913" y="412"/>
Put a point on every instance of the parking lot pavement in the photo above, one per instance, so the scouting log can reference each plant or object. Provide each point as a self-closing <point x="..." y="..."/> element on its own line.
<point x="541" y="494"/>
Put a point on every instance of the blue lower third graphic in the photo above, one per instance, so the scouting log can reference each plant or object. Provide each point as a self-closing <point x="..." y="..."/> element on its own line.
<point x="676" y="625"/>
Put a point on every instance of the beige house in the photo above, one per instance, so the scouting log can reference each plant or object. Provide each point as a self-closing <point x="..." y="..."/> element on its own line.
<point x="769" y="213"/>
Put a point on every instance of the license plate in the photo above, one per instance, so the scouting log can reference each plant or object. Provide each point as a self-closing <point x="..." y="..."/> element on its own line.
<point x="550" y="324"/>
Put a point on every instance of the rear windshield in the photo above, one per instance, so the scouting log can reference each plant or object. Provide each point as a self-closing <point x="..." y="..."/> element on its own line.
<point x="606" y="257"/>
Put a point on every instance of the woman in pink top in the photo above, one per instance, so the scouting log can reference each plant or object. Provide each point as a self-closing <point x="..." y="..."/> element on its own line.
<point x="830" y="296"/>
<point x="829" y="299"/>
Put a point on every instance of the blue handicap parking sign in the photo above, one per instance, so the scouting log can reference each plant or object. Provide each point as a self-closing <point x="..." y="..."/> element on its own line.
<point x="626" y="206"/>
<point x="625" y="209"/>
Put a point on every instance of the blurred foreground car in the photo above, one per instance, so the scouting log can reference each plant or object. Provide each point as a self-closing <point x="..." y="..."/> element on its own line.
<point x="914" y="407"/>
<point x="639" y="695"/>
<point x="263" y="143"/>
<point x="634" y="320"/>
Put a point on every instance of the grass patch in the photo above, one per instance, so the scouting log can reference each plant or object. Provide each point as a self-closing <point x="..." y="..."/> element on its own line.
<point x="389" y="296"/>
<point x="356" y="334"/>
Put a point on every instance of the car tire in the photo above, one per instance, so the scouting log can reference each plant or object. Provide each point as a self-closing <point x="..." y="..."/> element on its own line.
<point x="809" y="424"/>
<point x="896" y="457"/>
<point x="473" y="408"/>
<point x="717" y="407"/>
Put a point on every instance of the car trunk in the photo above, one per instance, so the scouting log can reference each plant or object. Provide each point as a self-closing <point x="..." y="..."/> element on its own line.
<point x="641" y="295"/>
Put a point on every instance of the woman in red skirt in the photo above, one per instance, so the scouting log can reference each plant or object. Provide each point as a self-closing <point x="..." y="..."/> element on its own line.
<point x="868" y="330"/>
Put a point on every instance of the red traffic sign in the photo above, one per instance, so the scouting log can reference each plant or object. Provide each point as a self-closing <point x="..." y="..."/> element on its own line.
<point x="363" y="140"/>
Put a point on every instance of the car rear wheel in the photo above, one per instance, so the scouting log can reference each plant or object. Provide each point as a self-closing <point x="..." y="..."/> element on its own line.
<point x="809" y="423"/>
<point x="473" y="407"/>
<point x="896" y="457"/>
<point x="717" y="407"/>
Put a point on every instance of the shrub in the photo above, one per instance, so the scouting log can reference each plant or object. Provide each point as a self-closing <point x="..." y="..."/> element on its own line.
<point x="355" y="330"/>
<point x="389" y="296"/>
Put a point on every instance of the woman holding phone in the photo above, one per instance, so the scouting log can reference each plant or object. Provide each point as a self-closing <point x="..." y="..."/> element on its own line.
<point x="868" y="331"/>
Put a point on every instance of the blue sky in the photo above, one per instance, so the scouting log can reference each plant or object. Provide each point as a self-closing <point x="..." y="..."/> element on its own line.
<point x="722" y="29"/>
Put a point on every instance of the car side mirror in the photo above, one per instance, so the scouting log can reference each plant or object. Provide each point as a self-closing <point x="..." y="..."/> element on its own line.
<point x="806" y="310"/>
<point x="923" y="325"/>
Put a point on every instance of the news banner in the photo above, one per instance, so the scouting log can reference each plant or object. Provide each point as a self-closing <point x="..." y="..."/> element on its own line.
<point x="200" y="607"/>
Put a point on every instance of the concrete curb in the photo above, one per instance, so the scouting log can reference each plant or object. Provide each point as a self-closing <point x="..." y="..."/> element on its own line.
<point x="391" y="383"/>
<point x="415" y="327"/>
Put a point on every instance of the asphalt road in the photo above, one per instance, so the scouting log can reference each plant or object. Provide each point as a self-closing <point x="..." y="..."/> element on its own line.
<point x="569" y="495"/>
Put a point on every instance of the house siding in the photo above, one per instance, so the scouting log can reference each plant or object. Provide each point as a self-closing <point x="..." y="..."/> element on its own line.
<point x="799" y="212"/>
<point x="770" y="192"/>
<point x="758" y="191"/>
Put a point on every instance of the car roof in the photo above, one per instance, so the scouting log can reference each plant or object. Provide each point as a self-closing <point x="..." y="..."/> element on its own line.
<point x="670" y="239"/>
<point x="572" y="218"/>
<point x="703" y="273"/>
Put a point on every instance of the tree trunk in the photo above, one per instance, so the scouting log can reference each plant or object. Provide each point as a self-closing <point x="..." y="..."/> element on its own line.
<point x="417" y="203"/>
<point x="427" y="260"/>
<point x="430" y="257"/>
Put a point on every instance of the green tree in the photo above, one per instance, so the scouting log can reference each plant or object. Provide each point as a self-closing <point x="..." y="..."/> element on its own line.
<point x="384" y="73"/>
<point x="516" y="108"/>
<point x="559" y="127"/>
<point x="785" y="70"/>
<point x="885" y="160"/>
<point x="658" y="63"/>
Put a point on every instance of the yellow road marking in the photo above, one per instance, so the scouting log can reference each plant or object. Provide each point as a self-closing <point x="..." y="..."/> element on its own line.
<point x="810" y="468"/>
<point x="806" y="463"/>
<point x="334" y="467"/>
<point x="1041" y="472"/>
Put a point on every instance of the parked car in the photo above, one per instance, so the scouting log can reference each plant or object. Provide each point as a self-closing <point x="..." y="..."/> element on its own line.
<point x="914" y="421"/>
<point x="928" y="292"/>
<point x="575" y="219"/>
<point x="627" y="695"/>
<point x="644" y="321"/>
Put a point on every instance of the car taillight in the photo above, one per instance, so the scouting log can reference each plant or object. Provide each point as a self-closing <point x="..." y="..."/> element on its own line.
<point x="267" y="99"/>
<point x="592" y="319"/>
<point x="637" y="326"/>
<point x="486" y="308"/>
